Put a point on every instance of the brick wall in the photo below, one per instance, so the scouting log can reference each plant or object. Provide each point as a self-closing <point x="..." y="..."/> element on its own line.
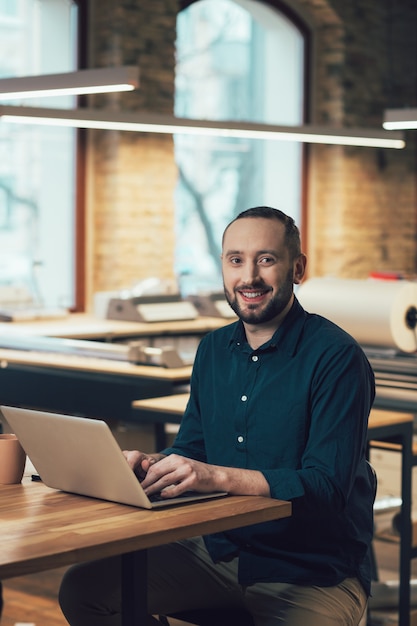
<point x="134" y="213"/>
<point x="361" y="203"/>
<point x="363" y="213"/>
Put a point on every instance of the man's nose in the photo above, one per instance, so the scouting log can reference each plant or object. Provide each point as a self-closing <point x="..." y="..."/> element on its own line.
<point x="250" y="273"/>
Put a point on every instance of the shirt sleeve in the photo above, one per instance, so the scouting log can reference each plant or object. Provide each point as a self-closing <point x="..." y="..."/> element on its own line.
<point x="342" y="392"/>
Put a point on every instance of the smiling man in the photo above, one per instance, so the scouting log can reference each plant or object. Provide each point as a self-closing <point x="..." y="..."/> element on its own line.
<point x="279" y="406"/>
<point x="261" y="261"/>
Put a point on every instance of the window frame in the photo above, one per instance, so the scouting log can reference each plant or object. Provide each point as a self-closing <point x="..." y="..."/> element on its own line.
<point x="80" y="216"/>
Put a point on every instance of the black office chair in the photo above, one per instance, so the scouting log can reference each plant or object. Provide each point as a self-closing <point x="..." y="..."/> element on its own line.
<point x="373" y="558"/>
<point x="374" y="566"/>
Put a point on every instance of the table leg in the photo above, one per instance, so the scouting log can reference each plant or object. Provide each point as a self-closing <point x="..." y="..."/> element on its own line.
<point x="406" y="527"/>
<point x="134" y="589"/>
<point x="160" y="436"/>
<point x="402" y="433"/>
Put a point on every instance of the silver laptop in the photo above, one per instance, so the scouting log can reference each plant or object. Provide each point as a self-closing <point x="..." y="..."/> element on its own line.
<point x="81" y="455"/>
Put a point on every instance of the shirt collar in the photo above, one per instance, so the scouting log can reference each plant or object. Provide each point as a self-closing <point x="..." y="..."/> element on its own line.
<point x="285" y="337"/>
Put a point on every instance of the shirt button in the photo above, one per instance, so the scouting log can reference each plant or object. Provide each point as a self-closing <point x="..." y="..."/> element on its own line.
<point x="240" y="439"/>
<point x="255" y="358"/>
<point x="244" y="398"/>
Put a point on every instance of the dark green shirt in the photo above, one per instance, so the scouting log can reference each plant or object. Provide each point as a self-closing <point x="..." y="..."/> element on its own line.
<point x="297" y="410"/>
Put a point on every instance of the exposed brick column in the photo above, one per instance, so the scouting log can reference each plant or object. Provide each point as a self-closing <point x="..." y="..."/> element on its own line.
<point x="132" y="176"/>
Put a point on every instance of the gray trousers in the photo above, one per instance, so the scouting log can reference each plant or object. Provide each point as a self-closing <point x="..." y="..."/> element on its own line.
<point x="182" y="576"/>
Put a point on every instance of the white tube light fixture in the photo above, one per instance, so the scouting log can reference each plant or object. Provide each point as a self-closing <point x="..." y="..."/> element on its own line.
<point x="91" y="81"/>
<point x="158" y="123"/>
<point x="400" y="119"/>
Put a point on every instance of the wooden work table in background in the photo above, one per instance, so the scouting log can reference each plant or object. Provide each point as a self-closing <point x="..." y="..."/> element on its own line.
<point x="84" y="326"/>
<point x="89" y="386"/>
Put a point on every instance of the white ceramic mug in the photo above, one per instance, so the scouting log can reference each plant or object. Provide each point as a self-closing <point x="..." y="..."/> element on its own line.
<point x="12" y="460"/>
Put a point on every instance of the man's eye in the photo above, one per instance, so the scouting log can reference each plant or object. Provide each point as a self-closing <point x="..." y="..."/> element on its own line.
<point x="235" y="261"/>
<point x="265" y="260"/>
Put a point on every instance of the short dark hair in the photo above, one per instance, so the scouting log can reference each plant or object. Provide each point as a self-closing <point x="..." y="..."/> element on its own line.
<point x="292" y="234"/>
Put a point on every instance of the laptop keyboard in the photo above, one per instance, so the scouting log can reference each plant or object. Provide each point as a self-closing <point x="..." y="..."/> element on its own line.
<point x="156" y="497"/>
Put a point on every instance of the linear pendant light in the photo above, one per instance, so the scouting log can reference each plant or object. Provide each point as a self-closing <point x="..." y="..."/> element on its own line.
<point x="159" y="123"/>
<point x="101" y="80"/>
<point x="400" y="119"/>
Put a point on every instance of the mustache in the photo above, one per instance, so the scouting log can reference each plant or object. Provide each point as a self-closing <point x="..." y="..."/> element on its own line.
<point x="255" y="285"/>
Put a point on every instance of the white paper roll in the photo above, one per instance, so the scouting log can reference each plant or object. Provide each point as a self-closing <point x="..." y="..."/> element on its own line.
<point x="375" y="312"/>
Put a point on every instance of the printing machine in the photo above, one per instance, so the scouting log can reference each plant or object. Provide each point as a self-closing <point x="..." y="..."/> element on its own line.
<point x="395" y="378"/>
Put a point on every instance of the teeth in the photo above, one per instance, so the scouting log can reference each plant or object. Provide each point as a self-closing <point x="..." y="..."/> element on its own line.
<point x="251" y="294"/>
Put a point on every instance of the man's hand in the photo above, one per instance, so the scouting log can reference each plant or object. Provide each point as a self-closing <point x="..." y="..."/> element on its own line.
<point x="140" y="462"/>
<point x="174" y="474"/>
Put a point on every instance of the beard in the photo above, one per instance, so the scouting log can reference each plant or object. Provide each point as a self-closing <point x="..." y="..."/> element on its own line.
<point x="260" y="314"/>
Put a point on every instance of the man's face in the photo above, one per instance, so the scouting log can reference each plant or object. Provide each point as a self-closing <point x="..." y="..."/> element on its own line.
<point x="258" y="274"/>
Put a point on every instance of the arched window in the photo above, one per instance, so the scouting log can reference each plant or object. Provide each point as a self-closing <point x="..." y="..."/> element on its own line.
<point x="243" y="61"/>
<point x="37" y="164"/>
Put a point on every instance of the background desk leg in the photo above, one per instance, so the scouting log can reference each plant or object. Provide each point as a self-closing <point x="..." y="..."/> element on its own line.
<point x="160" y="437"/>
<point x="134" y="589"/>
<point x="405" y="534"/>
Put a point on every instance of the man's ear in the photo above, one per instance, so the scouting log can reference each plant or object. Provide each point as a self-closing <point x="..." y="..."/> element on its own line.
<point x="299" y="268"/>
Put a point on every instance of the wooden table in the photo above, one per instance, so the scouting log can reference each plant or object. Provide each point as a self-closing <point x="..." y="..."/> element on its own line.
<point x="84" y="326"/>
<point x="159" y="411"/>
<point x="42" y="529"/>
<point x="79" y="385"/>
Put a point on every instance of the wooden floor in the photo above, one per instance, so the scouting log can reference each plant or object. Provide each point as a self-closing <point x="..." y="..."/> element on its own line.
<point x="32" y="600"/>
